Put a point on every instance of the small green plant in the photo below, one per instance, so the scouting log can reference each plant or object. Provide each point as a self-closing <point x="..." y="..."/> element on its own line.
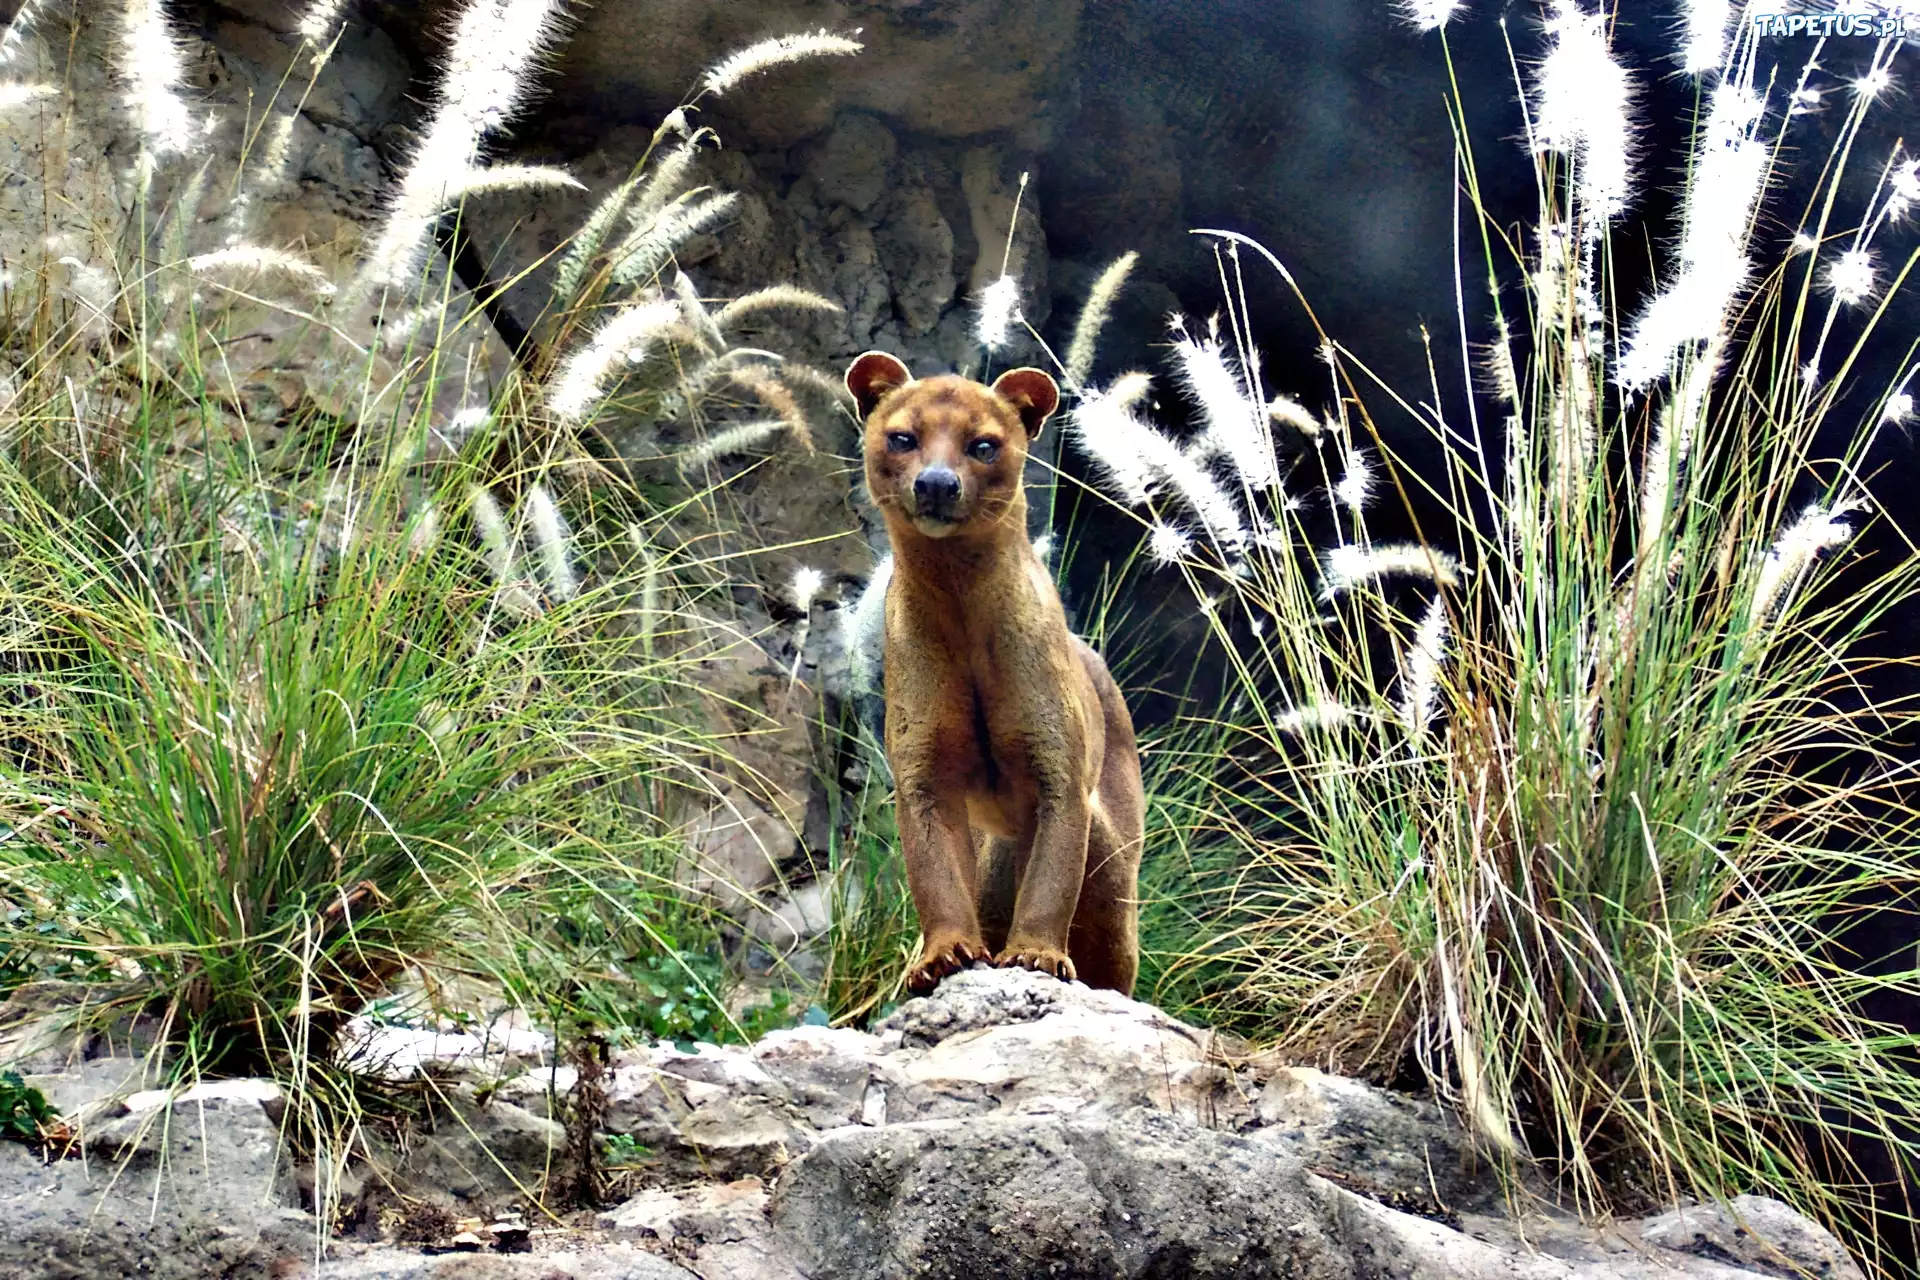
<point x="25" y="1113"/>
<point x="625" y="1152"/>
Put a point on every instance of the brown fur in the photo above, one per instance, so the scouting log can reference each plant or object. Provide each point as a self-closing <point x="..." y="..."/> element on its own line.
<point x="1021" y="812"/>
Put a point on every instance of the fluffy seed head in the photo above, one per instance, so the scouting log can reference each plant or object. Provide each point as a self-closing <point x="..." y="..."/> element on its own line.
<point x="495" y="47"/>
<point x="1319" y="714"/>
<point x="1429" y="15"/>
<point x="317" y="23"/>
<point x="18" y="95"/>
<point x="1794" y="551"/>
<point x="1238" y="426"/>
<point x="551" y="535"/>
<point x="510" y="177"/>
<point x="1167" y="543"/>
<point x="779" y="297"/>
<point x="256" y="258"/>
<point x="577" y="388"/>
<point x="154" y="69"/>
<point x="1706" y="34"/>
<point x="1349" y="566"/>
<point x="805" y="588"/>
<point x="1138" y="461"/>
<point x="1093" y="318"/>
<point x="1873" y="84"/>
<point x="1729" y="174"/>
<point x="755" y="58"/>
<point x="650" y="244"/>
<point x="491" y="523"/>
<point x="1898" y="409"/>
<point x="745" y="437"/>
<point x="1581" y="110"/>
<point x="1420" y="669"/>
<point x="1285" y="411"/>
<point x="1850" y="277"/>
<point x="1356" y="486"/>
<point x="15" y="35"/>
<point x="999" y="307"/>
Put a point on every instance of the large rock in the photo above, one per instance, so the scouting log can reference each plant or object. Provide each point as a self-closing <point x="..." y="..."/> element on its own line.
<point x="191" y="1189"/>
<point x="1008" y="1125"/>
<point x="592" y="1261"/>
<point x="1134" y="1194"/>
<point x="956" y="69"/>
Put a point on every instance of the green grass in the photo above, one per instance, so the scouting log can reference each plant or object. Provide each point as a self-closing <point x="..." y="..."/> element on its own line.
<point x="1603" y="897"/>
<point x="297" y="701"/>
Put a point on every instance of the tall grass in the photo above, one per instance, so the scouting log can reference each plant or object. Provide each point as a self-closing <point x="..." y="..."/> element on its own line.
<point x="295" y="696"/>
<point x="1572" y="800"/>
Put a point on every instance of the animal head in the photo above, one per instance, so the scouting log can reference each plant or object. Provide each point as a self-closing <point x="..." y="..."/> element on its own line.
<point x="945" y="454"/>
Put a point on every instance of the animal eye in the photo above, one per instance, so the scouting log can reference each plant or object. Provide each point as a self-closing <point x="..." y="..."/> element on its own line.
<point x="984" y="450"/>
<point x="900" y="442"/>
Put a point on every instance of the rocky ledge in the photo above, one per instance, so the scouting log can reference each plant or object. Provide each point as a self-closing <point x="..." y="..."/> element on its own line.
<point x="1007" y="1126"/>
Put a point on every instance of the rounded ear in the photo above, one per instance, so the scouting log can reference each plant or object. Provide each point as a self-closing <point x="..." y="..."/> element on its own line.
<point x="872" y="376"/>
<point x="1032" y="392"/>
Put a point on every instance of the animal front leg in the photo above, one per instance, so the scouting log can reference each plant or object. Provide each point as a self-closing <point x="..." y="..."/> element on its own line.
<point x="941" y="875"/>
<point x="1050" y="890"/>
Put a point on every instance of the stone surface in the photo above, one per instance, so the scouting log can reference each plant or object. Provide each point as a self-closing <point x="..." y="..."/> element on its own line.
<point x="484" y="1157"/>
<point x="958" y="69"/>
<point x="95" y="1088"/>
<point x="1386" y="1142"/>
<point x="189" y="1191"/>
<point x="1753" y="1231"/>
<point x="1137" y="1194"/>
<point x="1008" y="1125"/>
<point x="616" y="1261"/>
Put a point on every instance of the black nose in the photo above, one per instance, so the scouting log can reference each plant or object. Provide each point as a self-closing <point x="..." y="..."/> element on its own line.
<point x="935" y="491"/>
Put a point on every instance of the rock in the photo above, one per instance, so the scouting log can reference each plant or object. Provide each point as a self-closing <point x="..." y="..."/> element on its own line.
<point x="486" y="1157"/>
<point x="852" y="163"/>
<point x="1142" y="1194"/>
<point x="614" y="1261"/>
<point x="1007" y="1125"/>
<point x="718" y="1213"/>
<point x="1138" y="1194"/>
<point x="959" y="69"/>
<point x="1385" y="1142"/>
<point x="503" y="1046"/>
<point x="1756" y="1232"/>
<point x="265" y="1094"/>
<point x="790" y="923"/>
<point x="188" y="1191"/>
<point x="829" y="1072"/>
<point x="916" y="247"/>
<point x="95" y="1088"/>
<point x="722" y="1230"/>
<point x="735" y="851"/>
<point x="1069" y="1059"/>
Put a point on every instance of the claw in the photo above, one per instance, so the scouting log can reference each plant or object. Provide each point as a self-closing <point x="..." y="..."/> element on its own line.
<point x="937" y="962"/>
<point x="1041" y="960"/>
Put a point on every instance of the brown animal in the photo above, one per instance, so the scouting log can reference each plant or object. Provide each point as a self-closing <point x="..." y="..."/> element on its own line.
<point x="1021" y="812"/>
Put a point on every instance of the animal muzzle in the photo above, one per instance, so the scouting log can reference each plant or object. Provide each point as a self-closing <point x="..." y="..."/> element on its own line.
<point x="936" y="494"/>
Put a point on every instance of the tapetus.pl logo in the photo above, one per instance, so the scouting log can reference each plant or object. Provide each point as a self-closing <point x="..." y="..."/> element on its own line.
<point x="1880" y="24"/>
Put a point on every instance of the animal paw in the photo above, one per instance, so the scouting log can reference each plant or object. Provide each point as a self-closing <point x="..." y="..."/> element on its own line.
<point x="1040" y="959"/>
<point x="941" y="958"/>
